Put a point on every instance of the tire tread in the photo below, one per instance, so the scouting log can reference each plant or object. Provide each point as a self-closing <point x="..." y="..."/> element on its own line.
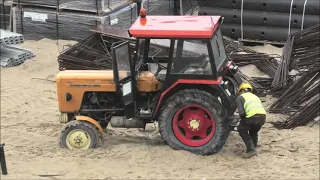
<point x="205" y="99"/>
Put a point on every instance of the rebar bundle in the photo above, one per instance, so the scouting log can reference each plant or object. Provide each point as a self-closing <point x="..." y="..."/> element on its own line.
<point x="93" y="53"/>
<point x="263" y="81"/>
<point x="301" y="51"/>
<point x="303" y="116"/>
<point x="301" y="91"/>
<point x="306" y="49"/>
<point x="234" y="46"/>
<point x="258" y="89"/>
<point x="301" y="99"/>
<point x="243" y="56"/>
<point x="246" y="59"/>
<point x="90" y="53"/>
<point x="262" y="61"/>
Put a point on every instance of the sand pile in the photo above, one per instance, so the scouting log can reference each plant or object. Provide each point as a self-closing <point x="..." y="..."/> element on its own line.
<point x="30" y="128"/>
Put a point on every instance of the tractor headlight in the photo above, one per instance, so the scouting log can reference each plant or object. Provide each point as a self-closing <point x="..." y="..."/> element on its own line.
<point x="68" y="96"/>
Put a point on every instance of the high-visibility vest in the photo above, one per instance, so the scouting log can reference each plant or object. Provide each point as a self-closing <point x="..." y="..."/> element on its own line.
<point x="252" y="105"/>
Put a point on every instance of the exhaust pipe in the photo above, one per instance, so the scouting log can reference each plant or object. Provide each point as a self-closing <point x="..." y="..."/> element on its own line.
<point x="122" y="122"/>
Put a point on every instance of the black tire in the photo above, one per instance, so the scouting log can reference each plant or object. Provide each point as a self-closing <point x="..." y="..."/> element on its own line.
<point x="83" y="126"/>
<point x="199" y="98"/>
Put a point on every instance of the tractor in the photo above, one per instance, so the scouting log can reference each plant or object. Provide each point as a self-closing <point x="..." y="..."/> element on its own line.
<point x="190" y="92"/>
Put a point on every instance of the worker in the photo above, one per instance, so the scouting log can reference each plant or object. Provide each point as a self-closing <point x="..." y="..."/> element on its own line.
<point x="253" y="117"/>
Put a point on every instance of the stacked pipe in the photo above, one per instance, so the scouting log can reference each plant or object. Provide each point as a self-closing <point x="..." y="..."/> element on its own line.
<point x="11" y="56"/>
<point x="262" y="20"/>
<point x="302" y="98"/>
<point x="10" y="38"/>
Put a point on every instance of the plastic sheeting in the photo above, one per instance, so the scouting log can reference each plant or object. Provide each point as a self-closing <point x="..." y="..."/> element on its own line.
<point x="189" y="7"/>
<point x="36" y="23"/>
<point x="159" y="7"/>
<point x="5" y="15"/>
<point x="278" y="34"/>
<point x="100" y="6"/>
<point x="170" y="7"/>
<point x="312" y="6"/>
<point x="261" y="20"/>
<point x="250" y="17"/>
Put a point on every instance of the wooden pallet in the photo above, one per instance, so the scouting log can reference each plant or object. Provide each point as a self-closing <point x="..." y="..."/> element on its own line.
<point x="22" y="5"/>
<point x="264" y="42"/>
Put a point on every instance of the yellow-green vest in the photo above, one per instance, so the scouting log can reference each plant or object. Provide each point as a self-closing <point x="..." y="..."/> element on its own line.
<point x="252" y="105"/>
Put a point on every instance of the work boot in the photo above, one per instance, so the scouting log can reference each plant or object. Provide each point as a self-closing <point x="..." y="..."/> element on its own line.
<point x="251" y="150"/>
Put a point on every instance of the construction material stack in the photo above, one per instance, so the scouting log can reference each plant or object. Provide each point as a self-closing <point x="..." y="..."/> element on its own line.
<point x="5" y="8"/>
<point x="261" y="20"/>
<point x="12" y="56"/>
<point x="170" y="7"/>
<point x="74" y="19"/>
<point x="70" y="19"/>
<point x="10" y="38"/>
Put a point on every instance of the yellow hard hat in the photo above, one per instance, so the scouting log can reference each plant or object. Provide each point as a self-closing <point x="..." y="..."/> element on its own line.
<point x="245" y="85"/>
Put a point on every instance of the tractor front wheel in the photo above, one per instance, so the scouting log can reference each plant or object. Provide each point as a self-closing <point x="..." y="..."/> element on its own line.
<point x="78" y="135"/>
<point x="192" y="120"/>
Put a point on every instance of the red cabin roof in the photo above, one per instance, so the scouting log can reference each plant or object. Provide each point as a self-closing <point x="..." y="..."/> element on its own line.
<point x="175" y="26"/>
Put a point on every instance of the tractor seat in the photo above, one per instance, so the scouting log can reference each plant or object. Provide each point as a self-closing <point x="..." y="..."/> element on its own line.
<point x="147" y="82"/>
<point x="203" y="68"/>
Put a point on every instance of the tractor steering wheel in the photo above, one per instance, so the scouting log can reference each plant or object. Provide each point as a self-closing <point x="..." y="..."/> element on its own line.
<point x="160" y="68"/>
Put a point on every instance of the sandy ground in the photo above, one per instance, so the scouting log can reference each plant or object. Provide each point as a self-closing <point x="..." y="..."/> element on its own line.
<point x="30" y="128"/>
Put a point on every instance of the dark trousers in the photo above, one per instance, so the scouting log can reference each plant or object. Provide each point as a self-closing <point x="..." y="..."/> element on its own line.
<point x="249" y="128"/>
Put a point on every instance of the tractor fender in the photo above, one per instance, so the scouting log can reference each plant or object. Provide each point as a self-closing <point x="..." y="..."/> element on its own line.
<point x="92" y="121"/>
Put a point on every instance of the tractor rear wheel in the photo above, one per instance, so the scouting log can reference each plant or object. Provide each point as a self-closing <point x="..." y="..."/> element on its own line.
<point x="193" y="120"/>
<point x="78" y="135"/>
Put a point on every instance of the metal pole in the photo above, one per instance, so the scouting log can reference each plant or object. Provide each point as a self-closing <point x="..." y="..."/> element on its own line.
<point x="3" y="160"/>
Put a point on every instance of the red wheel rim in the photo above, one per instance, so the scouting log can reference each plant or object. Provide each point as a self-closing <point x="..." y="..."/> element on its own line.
<point x="193" y="125"/>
